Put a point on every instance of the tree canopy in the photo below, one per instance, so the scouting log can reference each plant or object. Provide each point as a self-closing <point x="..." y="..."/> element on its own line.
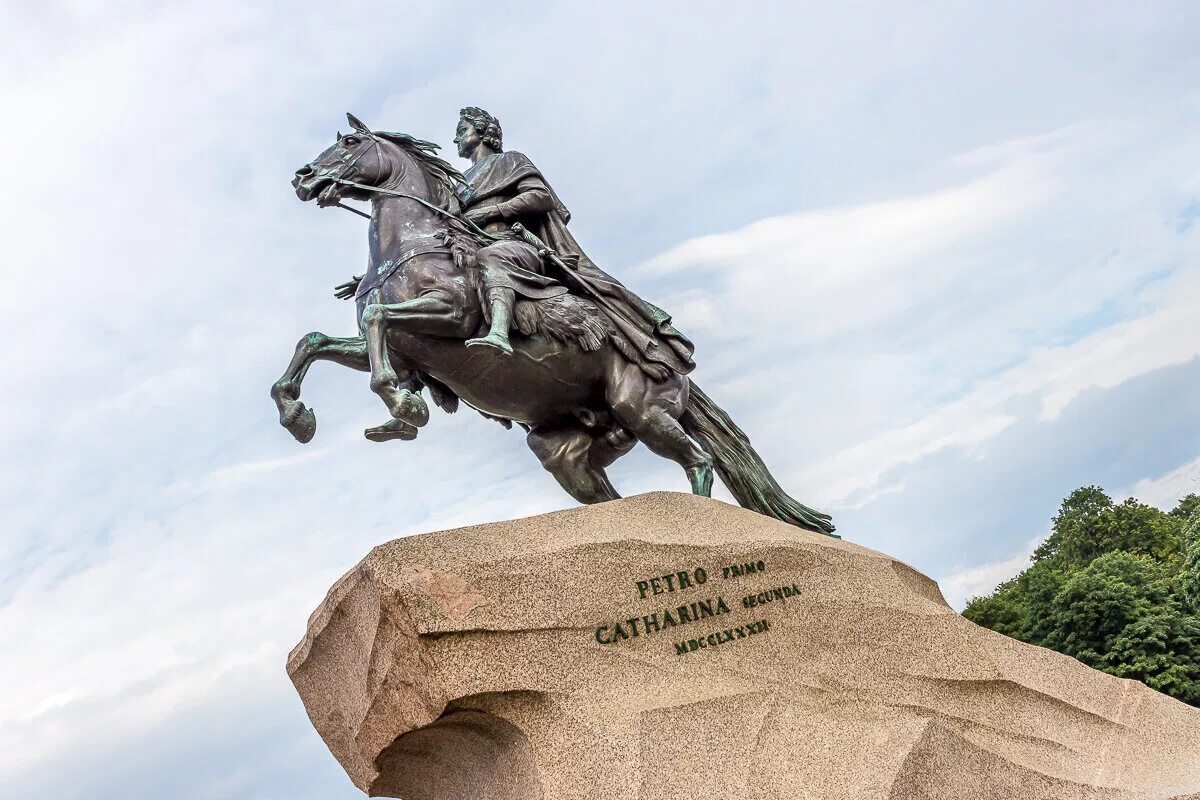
<point x="1117" y="586"/>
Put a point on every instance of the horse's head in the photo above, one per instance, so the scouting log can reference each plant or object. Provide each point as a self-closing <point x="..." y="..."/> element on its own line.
<point x="375" y="159"/>
<point x="356" y="156"/>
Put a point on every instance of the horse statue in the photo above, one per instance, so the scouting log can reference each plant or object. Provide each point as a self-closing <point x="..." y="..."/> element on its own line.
<point x="570" y="382"/>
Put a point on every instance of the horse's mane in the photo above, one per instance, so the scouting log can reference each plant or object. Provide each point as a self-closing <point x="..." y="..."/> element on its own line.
<point x="443" y="178"/>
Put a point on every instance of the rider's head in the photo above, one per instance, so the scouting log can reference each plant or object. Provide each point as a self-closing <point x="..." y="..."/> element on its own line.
<point x="475" y="126"/>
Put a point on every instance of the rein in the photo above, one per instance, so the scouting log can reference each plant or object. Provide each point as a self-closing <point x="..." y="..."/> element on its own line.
<point x="475" y="229"/>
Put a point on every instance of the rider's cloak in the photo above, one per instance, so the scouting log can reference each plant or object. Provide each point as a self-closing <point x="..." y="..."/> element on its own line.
<point x="646" y="326"/>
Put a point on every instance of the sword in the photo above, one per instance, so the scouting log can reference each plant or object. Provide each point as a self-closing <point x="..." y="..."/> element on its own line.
<point x="531" y="239"/>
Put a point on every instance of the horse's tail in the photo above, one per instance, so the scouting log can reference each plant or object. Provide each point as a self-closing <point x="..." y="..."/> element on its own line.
<point x="741" y="468"/>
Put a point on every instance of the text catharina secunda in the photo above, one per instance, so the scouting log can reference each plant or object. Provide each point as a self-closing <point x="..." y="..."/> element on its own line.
<point x="688" y="613"/>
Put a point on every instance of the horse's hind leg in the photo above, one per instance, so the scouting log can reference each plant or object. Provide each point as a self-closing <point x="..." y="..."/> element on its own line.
<point x="293" y="415"/>
<point x="650" y="410"/>
<point x="565" y="453"/>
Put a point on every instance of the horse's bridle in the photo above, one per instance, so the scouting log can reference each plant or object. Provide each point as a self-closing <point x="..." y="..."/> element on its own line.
<point x="369" y="140"/>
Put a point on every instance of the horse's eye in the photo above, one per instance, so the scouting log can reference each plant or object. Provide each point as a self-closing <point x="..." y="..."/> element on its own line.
<point x="350" y="141"/>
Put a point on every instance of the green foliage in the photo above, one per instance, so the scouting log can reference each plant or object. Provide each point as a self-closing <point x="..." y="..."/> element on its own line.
<point x="1190" y="576"/>
<point x="1000" y="611"/>
<point x="1020" y="608"/>
<point x="1117" y="586"/>
<point x="1081" y="505"/>
<point x="1089" y="524"/>
<point x="1161" y="648"/>
<point x="1187" y="507"/>
<point x="1098" y="602"/>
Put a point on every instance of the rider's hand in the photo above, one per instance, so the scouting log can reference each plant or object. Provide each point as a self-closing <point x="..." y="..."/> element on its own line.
<point x="481" y="215"/>
<point x="344" y="291"/>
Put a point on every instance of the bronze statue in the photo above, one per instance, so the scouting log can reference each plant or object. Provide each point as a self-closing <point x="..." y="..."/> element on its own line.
<point x="476" y="291"/>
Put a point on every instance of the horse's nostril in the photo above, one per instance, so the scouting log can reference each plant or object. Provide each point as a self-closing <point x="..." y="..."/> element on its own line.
<point x="301" y="174"/>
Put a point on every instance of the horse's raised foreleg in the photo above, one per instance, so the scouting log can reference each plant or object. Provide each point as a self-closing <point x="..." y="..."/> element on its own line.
<point x="293" y="415"/>
<point x="565" y="453"/>
<point x="431" y="313"/>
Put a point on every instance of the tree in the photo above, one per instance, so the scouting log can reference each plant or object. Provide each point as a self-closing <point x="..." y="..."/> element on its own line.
<point x="1002" y="611"/>
<point x="1116" y="586"/>
<point x="1161" y="648"/>
<point x="1080" y="507"/>
<point x="1131" y="527"/>
<point x="1187" y="507"/>
<point x="1021" y="607"/>
<point x="1098" y="602"/>
<point x="1189" y="578"/>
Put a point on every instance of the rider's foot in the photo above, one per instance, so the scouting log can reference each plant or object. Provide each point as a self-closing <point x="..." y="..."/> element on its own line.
<point x="392" y="429"/>
<point x="493" y="340"/>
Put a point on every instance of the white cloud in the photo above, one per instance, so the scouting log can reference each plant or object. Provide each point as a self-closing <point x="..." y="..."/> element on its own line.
<point x="1052" y="376"/>
<point x="1165" y="491"/>
<point x="844" y="267"/>
<point x="850" y="283"/>
<point x="1116" y="354"/>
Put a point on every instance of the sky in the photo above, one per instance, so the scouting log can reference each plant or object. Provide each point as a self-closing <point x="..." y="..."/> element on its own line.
<point x="940" y="261"/>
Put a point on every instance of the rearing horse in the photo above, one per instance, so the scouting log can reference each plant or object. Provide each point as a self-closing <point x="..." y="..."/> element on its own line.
<point x="583" y="402"/>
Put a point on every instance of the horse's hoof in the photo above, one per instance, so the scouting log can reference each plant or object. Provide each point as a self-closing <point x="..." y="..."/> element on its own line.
<point x="701" y="478"/>
<point x="301" y="422"/>
<point x="410" y="408"/>
<point x="392" y="429"/>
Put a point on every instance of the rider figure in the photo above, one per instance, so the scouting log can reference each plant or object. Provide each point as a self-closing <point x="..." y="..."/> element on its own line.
<point x="505" y="188"/>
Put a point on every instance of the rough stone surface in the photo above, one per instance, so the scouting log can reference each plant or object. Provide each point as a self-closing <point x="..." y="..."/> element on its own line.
<point x="465" y="665"/>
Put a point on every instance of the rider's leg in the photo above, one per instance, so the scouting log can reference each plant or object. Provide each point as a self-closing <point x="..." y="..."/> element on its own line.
<point x="500" y="302"/>
<point x="650" y="410"/>
<point x="349" y="352"/>
<point x="564" y="452"/>
<point x="508" y="269"/>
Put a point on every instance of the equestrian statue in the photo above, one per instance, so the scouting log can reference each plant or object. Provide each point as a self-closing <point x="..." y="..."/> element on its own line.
<point x="476" y="291"/>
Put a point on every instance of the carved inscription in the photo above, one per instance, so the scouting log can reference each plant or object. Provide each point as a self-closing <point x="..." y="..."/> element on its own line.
<point x="721" y="637"/>
<point x="657" y="621"/>
<point x="703" y="604"/>
<point x="668" y="583"/>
